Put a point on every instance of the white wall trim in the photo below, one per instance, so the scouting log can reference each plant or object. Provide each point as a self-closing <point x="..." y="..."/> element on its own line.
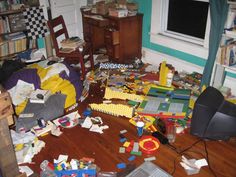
<point x="155" y="58"/>
<point x="176" y="44"/>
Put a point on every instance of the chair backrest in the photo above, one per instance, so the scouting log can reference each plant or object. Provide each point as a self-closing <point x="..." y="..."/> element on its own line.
<point x="57" y="28"/>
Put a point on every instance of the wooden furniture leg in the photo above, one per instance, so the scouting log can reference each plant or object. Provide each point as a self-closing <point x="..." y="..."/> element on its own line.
<point x="8" y="163"/>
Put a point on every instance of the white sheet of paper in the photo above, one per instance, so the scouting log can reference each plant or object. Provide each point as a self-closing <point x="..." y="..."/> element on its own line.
<point x="21" y="92"/>
<point x="26" y="169"/>
<point x="200" y="163"/>
<point x="62" y="158"/>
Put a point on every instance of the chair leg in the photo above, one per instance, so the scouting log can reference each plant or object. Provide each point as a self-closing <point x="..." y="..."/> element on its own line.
<point x="91" y="59"/>
<point x="82" y="65"/>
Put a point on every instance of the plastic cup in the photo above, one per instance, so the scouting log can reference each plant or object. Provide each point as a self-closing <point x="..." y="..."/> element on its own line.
<point x="140" y="126"/>
<point x="171" y="133"/>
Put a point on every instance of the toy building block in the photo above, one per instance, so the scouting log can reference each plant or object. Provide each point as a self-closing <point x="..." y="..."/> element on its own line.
<point x="126" y="144"/>
<point x="148" y="120"/>
<point x="130" y="147"/>
<point x="123" y="131"/>
<point x="163" y="74"/>
<point x="114" y="109"/>
<point x="121" y="150"/>
<point x="122" y="140"/>
<point x="150" y="159"/>
<point x="135" y="147"/>
<point x="131" y="158"/>
<point x="112" y="94"/>
<point x="79" y="173"/>
<point x="121" y="165"/>
<point x="139" y="153"/>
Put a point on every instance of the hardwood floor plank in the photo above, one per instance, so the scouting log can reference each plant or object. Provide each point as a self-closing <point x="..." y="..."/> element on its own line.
<point x="79" y="142"/>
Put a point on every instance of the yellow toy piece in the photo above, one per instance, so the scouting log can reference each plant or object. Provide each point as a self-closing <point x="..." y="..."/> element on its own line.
<point x="114" y="94"/>
<point x="163" y="74"/>
<point x="114" y="109"/>
<point x="148" y="120"/>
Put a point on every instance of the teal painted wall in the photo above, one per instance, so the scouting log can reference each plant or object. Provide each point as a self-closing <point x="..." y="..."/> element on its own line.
<point x="145" y="7"/>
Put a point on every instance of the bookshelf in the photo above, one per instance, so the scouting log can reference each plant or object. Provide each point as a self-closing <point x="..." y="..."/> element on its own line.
<point x="13" y="39"/>
<point x="227" y="50"/>
<point x="226" y="57"/>
<point x="12" y="33"/>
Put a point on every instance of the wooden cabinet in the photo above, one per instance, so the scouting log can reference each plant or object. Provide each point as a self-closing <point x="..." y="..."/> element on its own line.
<point x="8" y="163"/>
<point x="122" y="37"/>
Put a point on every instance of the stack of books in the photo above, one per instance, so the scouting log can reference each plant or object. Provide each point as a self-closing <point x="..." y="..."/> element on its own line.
<point x="40" y="96"/>
<point x="13" y="43"/>
<point x="71" y="44"/>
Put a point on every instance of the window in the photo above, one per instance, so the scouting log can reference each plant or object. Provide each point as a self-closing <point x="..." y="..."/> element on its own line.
<point x="182" y="25"/>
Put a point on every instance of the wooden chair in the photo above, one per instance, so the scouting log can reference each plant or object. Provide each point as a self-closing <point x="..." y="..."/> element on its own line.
<point x="58" y="32"/>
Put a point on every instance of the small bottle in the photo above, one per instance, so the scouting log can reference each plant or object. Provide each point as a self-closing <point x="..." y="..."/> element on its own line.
<point x="169" y="79"/>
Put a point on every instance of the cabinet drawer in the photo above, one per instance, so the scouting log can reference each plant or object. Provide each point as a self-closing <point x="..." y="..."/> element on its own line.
<point x="112" y="37"/>
<point x="113" y="51"/>
<point x="114" y="25"/>
<point x="96" y="22"/>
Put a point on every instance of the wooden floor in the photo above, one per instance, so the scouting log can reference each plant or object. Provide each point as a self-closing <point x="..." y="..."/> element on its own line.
<point x="78" y="142"/>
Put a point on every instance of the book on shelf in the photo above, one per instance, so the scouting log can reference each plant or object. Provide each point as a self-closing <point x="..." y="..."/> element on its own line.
<point x="4" y="25"/>
<point x="231" y="33"/>
<point x="230" y="58"/>
<point x="227" y="54"/>
<point x="39" y="96"/>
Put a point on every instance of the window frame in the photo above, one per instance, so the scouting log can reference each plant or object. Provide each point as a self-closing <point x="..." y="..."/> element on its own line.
<point x="160" y="37"/>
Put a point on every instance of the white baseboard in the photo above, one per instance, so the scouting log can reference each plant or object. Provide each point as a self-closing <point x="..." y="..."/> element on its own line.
<point x="155" y="58"/>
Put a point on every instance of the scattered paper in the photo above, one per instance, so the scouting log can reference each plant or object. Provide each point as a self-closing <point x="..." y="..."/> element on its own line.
<point x="26" y="169"/>
<point x="61" y="158"/>
<point x="87" y="123"/>
<point x="192" y="166"/>
<point x="200" y="163"/>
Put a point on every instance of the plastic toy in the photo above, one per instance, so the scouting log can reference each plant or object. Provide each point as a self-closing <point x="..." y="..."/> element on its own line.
<point x="79" y="173"/>
<point x="149" y="144"/>
<point x="111" y="94"/>
<point x="114" y="109"/>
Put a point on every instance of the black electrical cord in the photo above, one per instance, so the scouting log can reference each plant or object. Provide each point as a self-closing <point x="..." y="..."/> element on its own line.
<point x="181" y="152"/>
<point x="187" y="149"/>
<point x="207" y="158"/>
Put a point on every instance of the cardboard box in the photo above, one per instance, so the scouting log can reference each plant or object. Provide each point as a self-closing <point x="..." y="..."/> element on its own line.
<point x="6" y="109"/>
<point x="132" y="6"/>
<point x="101" y="8"/>
<point x="118" y="12"/>
<point x="122" y="2"/>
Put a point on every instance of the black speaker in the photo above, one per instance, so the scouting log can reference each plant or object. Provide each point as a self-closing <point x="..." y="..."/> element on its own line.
<point x="213" y="117"/>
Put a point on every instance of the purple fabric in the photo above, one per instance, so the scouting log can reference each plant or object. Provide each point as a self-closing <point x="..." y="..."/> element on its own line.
<point x="28" y="75"/>
<point x="74" y="78"/>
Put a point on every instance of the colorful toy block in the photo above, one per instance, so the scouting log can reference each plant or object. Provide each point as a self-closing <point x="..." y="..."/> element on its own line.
<point x="114" y="109"/>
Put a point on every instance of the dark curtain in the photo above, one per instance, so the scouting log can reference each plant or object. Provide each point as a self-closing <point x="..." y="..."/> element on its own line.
<point x="219" y="11"/>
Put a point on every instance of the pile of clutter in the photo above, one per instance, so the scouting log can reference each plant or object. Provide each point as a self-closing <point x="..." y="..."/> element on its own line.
<point x="27" y="145"/>
<point x="61" y="167"/>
